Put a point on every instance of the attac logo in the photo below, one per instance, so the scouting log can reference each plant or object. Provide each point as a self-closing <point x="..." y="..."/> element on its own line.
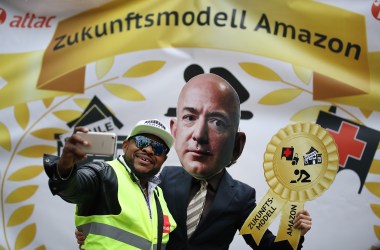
<point x="28" y="20"/>
<point x="3" y="15"/>
<point x="357" y="144"/>
<point x="376" y="9"/>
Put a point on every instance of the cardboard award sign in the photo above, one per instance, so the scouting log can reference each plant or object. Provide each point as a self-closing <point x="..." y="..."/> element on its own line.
<point x="300" y="163"/>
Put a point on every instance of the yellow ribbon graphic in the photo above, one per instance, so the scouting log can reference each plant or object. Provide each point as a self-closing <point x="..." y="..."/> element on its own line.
<point x="300" y="163"/>
<point x="327" y="40"/>
<point x="253" y="26"/>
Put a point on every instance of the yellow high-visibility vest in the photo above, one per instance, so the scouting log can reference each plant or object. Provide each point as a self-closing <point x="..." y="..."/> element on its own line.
<point x="132" y="228"/>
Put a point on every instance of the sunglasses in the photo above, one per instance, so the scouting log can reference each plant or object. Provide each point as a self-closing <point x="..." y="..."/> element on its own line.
<point x="143" y="142"/>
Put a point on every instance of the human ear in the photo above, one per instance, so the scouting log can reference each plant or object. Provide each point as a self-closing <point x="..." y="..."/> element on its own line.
<point x="125" y="146"/>
<point x="240" y="139"/>
<point x="173" y="127"/>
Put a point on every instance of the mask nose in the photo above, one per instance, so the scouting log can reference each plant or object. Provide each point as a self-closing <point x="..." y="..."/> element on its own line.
<point x="200" y="133"/>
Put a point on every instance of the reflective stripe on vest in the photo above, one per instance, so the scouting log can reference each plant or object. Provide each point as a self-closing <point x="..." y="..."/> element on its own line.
<point x="117" y="234"/>
<point x="133" y="220"/>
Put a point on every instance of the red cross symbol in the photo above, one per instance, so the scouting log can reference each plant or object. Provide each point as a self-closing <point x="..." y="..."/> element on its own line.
<point x="348" y="144"/>
<point x="288" y="152"/>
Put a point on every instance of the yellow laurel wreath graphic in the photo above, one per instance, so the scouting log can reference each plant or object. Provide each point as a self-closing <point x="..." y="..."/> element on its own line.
<point x="67" y="115"/>
<point x="48" y="133"/>
<point x="21" y="194"/>
<point x="124" y="92"/>
<point x="104" y="66"/>
<point x="22" y="213"/>
<point x="48" y="101"/>
<point x="375" y="167"/>
<point x="82" y="102"/>
<point x="26" y="173"/>
<point x="280" y="96"/>
<point x="309" y="114"/>
<point x="304" y="74"/>
<point x="5" y="138"/>
<point x="260" y="71"/>
<point x="144" y="69"/>
<point x="366" y="112"/>
<point x="21" y="112"/>
<point x="26" y="236"/>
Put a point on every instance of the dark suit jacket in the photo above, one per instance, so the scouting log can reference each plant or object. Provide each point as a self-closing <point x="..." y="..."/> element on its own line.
<point x="233" y="203"/>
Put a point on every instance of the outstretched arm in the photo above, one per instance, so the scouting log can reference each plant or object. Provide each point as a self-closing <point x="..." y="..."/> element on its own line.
<point x="64" y="174"/>
<point x="71" y="153"/>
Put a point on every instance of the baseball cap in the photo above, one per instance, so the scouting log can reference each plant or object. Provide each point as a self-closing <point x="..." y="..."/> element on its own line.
<point x="154" y="127"/>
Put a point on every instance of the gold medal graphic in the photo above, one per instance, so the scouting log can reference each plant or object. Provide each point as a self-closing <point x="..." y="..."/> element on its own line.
<point x="300" y="163"/>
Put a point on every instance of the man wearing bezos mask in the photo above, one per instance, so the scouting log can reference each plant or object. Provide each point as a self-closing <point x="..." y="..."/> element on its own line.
<point x="207" y="142"/>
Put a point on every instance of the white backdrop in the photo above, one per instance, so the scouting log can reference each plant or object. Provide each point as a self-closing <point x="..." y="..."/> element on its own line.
<point x="31" y="218"/>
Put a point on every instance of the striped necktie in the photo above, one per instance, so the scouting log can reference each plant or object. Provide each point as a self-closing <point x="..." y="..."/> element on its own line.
<point x="195" y="208"/>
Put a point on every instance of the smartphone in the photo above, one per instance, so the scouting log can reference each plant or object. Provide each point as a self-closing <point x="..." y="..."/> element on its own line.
<point x="102" y="143"/>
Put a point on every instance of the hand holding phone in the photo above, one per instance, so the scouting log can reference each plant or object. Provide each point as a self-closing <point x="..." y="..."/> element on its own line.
<point x="101" y="143"/>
